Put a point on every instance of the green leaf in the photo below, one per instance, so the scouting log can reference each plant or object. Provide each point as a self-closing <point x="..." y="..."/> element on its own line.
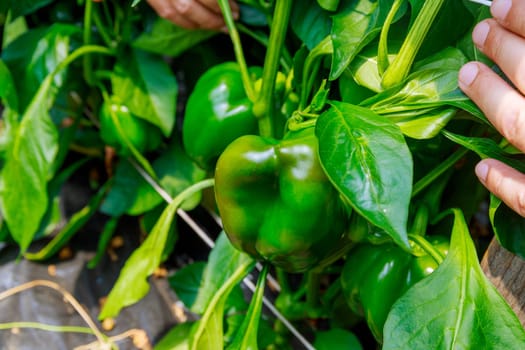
<point x="104" y="239"/>
<point x="35" y="54"/>
<point x="13" y="29"/>
<point x="8" y="93"/>
<point x="30" y="153"/>
<point x="508" y="226"/>
<point x="166" y="38"/>
<point x="425" y="125"/>
<point x="485" y="148"/>
<point x="433" y="84"/>
<point x="355" y="25"/>
<point x="329" y="5"/>
<point x="25" y="7"/>
<point x="77" y="221"/>
<point x="131" y="194"/>
<point x="456" y="307"/>
<point x="147" y="86"/>
<point x="186" y="282"/>
<point x="229" y="259"/>
<point x="225" y="269"/>
<point x="364" y="67"/>
<point x="132" y="285"/>
<point x="176" y="339"/>
<point x="367" y="159"/>
<point x="246" y="336"/>
<point x="336" y="338"/>
<point x="310" y="22"/>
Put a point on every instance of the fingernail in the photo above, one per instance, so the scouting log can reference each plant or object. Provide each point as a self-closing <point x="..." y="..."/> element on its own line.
<point x="482" y="170"/>
<point x="224" y="29"/>
<point x="468" y="73"/>
<point x="479" y="35"/>
<point x="500" y="8"/>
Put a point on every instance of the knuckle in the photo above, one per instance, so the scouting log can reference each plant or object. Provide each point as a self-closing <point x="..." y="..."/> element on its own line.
<point x="513" y="126"/>
<point x="494" y="182"/>
<point x="494" y="44"/>
<point x="520" y="76"/>
<point x="167" y="12"/>
<point x="520" y="203"/>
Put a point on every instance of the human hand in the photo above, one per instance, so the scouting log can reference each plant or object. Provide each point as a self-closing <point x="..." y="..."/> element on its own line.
<point x="502" y="39"/>
<point x="193" y="14"/>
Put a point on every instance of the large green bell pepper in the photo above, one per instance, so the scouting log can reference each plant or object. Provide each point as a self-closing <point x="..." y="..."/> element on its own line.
<point x="375" y="276"/>
<point x="119" y="128"/>
<point x="276" y="202"/>
<point x="217" y="112"/>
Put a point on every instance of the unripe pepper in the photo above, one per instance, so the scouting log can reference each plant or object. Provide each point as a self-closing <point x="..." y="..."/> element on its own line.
<point x="375" y="276"/>
<point x="143" y="135"/>
<point x="217" y="112"/>
<point x="276" y="202"/>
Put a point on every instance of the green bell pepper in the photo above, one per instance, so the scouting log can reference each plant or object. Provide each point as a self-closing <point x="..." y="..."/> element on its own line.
<point x="131" y="130"/>
<point x="217" y="112"/>
<point x="375" y="276"/>
<point x="276" y="202"/>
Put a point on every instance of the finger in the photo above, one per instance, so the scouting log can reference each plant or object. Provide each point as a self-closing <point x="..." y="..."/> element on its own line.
<point x="503" y="106"/>
<point x="504" y="182"/>
<point x="510" y="14"/>
<point x="505" y="48"/>
<point x="196" y="12"/>
<point x="167" y="10"/>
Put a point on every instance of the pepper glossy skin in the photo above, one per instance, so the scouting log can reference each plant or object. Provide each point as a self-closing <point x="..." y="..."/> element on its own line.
<point x="143" y="135"/>
<point x="375" y="276"/>
<point x="217" y="112"/>
<point x="276" y="202"/>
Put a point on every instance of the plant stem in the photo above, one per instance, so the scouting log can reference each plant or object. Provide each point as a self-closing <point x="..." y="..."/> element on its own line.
<point x="68" y="297"/>
<point x="437" y="171"/>
<point x="237" y="48"/>
<point x="264" y="108"/>
<point x="102" y="30"/>
<point x="282" y="277"/>
<point x="420" y="223"/>
<point x="47" y="327"/>
<point x="401" y="65"/>
<point x="382" y="52"/>
<point x="427" y="247"/>
<point x="312" y="289"/>
<point x="286" y="60"/>
<point x="88" y="68"/>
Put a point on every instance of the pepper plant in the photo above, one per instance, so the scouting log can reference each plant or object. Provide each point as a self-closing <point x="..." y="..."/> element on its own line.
<point x="335" y="137"/>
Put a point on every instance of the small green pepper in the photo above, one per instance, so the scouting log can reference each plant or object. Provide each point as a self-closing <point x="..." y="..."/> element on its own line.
<point x="375" y="276"/>
<point x="143" y="135"/>
<point x="276" y="202"/>
<point x="217" y="112"/>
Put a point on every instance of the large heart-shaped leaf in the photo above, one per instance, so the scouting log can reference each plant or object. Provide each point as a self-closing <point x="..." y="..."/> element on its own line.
<point x="367" y="159"/>
<point x="456" y="307"/>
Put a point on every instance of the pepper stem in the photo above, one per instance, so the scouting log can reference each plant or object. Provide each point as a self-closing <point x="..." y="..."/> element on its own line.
<point x="420" y="223"/>
<point x="427" y="247"/>
<point x="237" y="48"/>
<point x="264" y="108"/>
<point x="401" y="65"/>
<point x="382" y="52"/>
<point x="312" y="289"/>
